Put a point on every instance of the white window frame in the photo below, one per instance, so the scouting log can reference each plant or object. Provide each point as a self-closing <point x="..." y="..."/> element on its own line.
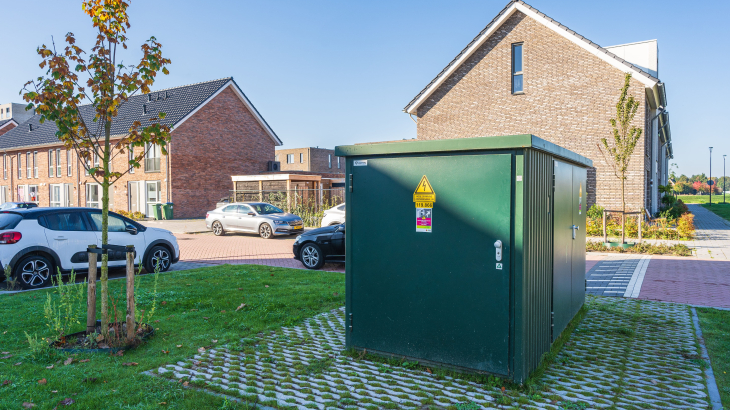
<point x="522" y="69"/>
<point x="338" y="163"/>
<point x="152" y="157"/>
<point x="289" y="158"/>
<point x="58" y="163"/>
<point x="37" y="194"/>
<point x="329" y="160"/>
<point x="28" y="166"/>
<point x="131" y="157"/>
<point x="68" y="162"/>
<point x="35" y="164"/>
<point x="20" y="165"/>
<point x="301" y="158"/>
<point x="97" y="203"/>
<point x="5" y="167"/>
<point x="51" y="165"/>
<point x="52" y="201"/>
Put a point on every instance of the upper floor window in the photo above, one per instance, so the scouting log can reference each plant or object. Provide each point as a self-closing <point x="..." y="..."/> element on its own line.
<point x="152" y="158"/>
<point x="58" y="162"/>
<point x="517" y="83"/>
<point x="301" y="158"/>
<point x="5" y="166"/>
<point x="329" y="160"/>
<point x="28" y="165"/>
<point x="131" y="158"/>
<point x="68" y="161"/>
<point x="51" y="166"/>
<point x="289" y="158"/>
<point x="338" y="162"/>
<point x="20" y="168"/>
<point x="35" y="164"/>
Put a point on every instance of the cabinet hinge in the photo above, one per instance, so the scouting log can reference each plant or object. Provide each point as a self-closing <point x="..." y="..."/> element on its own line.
<point x="350" y="322"/>
<point x="350" y="182"/>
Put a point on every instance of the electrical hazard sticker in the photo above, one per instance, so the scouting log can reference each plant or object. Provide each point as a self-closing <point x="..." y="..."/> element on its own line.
<point x="424" y="194"/>
<point x="424" y="219"/>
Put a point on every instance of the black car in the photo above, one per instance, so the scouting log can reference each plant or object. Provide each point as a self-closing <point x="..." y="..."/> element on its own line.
<point x="321" y="245"/>
<point x="18" y="205"/>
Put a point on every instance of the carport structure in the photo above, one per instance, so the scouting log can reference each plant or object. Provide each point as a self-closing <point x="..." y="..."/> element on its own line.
<point x="287" y="189"/>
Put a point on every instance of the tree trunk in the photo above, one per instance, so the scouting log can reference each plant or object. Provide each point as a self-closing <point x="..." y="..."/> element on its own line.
<point x="105" y="233"/>
<point x="91" y="294"/>
<point x="623" y="209"/>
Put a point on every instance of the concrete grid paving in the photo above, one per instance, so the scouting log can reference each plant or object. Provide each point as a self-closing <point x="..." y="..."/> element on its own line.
<point x="625" y="354"/>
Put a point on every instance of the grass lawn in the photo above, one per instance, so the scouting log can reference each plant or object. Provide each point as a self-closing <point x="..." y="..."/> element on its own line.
<point x="716" y="331"/>
<point x="702" y="199"/>
<point x="722" y="210"/>
<point x="199" y="307"/>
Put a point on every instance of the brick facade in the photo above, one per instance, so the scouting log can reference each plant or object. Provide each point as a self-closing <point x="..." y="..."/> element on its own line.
<point x="221" y="139"/>
<point x="569" y="97"/>
<point x="320" y="160"/>
<point x="6" y="127"/>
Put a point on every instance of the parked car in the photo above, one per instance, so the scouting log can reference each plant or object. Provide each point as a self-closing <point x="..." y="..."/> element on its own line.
<point x="320" y="245"/>
<point x="34" y="242"/>
<point x="256" y="217"/>
<point x="223" y="202"/>
<point x="21" y="205"/>
<point x="334" y="216"/>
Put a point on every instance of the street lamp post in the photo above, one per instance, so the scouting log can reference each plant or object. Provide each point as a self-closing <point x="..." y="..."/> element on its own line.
<point x="710" y="176"/>
<point x="723" y="179"/>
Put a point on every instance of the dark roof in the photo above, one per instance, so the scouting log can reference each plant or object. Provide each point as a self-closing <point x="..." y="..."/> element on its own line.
<point x="638" y="69"/>
<point x="175" y="102"/>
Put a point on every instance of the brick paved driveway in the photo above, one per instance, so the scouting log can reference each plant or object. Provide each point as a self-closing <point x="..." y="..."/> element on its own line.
<point x="237" y="249"/>
<point x="694" y="281"/>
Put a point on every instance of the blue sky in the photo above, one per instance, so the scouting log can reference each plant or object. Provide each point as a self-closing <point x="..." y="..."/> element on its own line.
<point x="326" y="73"/>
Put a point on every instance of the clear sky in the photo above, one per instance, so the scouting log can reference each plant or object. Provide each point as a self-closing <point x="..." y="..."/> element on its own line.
<point x="326" y="73"/>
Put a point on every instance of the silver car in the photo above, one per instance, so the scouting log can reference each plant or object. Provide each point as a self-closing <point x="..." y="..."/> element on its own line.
<point x="257" y="217"/>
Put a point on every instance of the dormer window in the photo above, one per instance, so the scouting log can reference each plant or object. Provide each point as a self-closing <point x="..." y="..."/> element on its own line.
<point x="149" y="97"/>
<point x="144" y="109"/>
<point x="30" y="127"/>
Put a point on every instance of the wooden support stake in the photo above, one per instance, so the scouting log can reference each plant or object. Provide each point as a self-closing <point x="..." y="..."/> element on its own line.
<point x="131" y="328"/>
<point x="605" y="235"/>
<point x="91" y="294"/>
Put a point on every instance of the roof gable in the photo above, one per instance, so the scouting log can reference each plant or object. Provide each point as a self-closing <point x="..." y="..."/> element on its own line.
<point x="518" y="5"/>
<point x="178" y="103"/>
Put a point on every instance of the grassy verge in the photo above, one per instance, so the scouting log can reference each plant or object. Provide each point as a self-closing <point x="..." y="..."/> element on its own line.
<point x="721" y="210"/>
<point x="702" y="199"/>
<point x="642" y="248"/>
<point x="199" y="310"/>
<point x="716" y="331"/>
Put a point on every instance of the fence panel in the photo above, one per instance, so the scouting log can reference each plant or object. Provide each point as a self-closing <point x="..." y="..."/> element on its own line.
<point x="309" y="204"/>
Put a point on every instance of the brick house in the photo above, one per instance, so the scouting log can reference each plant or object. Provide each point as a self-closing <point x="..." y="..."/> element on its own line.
<point x="310" y="160"/>
<point x="217" y="133"/>
<point x="7" y="125"/>
<point x="525" y="73"/>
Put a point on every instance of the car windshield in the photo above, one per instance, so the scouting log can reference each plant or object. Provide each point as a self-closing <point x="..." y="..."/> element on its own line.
<point x="264" y="209"/>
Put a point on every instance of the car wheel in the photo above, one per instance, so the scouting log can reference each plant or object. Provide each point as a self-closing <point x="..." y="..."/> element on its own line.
<point x="218" y="229"/>
<point x="265" y="231"/>
<point x="311" y="256"/>
<point x="158" y="254"/>
<point x="33" y="272"/>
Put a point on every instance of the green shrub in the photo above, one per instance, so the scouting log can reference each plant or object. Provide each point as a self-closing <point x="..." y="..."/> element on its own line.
<point x="595" y="212"/>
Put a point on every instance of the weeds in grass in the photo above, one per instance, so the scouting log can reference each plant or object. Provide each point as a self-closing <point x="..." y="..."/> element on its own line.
<point x="62" y="316"/>
<point x="642" y="248"/>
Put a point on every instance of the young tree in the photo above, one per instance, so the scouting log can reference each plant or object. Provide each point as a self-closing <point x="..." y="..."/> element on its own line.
<point x="625" y="137"/>
<point x="84" y="110"/>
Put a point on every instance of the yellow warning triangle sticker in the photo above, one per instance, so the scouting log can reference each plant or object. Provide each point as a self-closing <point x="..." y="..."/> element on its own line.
<point x="424" y="187"/>
<point x="424" y="193"/>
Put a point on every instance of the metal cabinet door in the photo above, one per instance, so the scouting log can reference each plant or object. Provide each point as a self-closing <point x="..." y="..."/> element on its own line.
<point x="436" y="295"/>
<point x="578" y="260"/>
<point x="562" y="246"/>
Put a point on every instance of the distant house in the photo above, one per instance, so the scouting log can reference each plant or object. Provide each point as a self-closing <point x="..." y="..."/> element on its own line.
<point x="7" y="125"/>
<point x="526" y="73"/>
<point x="217" y="132"/>
<point x="310" y="160"/>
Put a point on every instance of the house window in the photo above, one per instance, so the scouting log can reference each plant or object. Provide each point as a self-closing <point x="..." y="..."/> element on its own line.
<point x="68" y="161"/>
<point x="55" y="195"/>
<point x="276" y="157"/>
<point x="28" y="165"/>
<point x="152" y="158"/>
<point x="338" y="162"/>
<point x="96" y="160"/>
<point x="33" y="193"/>
<point x="35" y="164"/>
<point x="131" y="158"/>
<point x="517" y="83"/>
<point x="93" y="195"/>
<point x="329" y="160"/>
<point x="58" y="162"/>
<point x="5" y="166"/>
<point x="289" y="158"/>
<point x="20" y="168"/>
<point x="51" y="166"/>
<point x="301" y="158"/>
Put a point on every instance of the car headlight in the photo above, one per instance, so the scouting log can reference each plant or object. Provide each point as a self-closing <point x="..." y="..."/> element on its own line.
<point x="280" y="223"/>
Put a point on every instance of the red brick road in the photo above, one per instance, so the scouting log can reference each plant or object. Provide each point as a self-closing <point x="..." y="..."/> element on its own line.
<point x="694" y="281"/>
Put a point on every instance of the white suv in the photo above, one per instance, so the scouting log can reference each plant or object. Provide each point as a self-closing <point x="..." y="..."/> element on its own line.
<point x="334" y="216"/>
<point x="35" y="242"/>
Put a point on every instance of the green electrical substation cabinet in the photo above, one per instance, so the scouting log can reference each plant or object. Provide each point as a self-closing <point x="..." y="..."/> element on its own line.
<point x="464" y="253"/>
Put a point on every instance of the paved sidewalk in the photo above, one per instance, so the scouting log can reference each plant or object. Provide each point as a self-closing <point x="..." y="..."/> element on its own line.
<point x="179" y="225"/>
<point x="612" y="275"/>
